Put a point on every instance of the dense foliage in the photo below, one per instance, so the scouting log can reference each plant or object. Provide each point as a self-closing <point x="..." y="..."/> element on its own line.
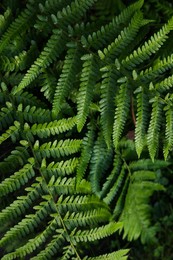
<point x="86" y="129"/>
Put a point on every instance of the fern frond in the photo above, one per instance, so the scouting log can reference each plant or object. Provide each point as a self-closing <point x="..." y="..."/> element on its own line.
<point x="160" y="67"/>
<point x="141" y="121"/>
<point x="168" y="131"/>
<point x="57" y="149"/>
<point x="108" y="91"/>
<point x="100" y="162"/>
<point x="22" y="23"/>
<point x="112" y="177"/>
<point x="14" y="182"/>
<point x="154" y="128"/>
<point x="118" y="255"/>
<point x="49" y="84"/>
<point x="147" y="164"/>
<point x="88" y="80"/>
<point x="116" y="186"/>
<point x="126" y="36"/>
<point x="22" y="204"/>
<point x="33" y="243"/>
<point x="12" y="131"/>
<point x="6" y="116"/>
<point x="51" y="51"/>
<point x="27" y="225"/>
<point x="87" y="145"/>
<point x="108" y="32"/>
<point x="17" y="158"/>
<point x="34" y="114"/>
<point x="86" y="219"/>
<point x="73" y="12"/>
<point x="51" y="128"/>
<point x="71" y="68"/>
<point x="96" y="233"/>
<point x="136" y="212"/>
<point x="148" y="48"/>
<point x="62" y="168"/>
<point x="123" y="104"/>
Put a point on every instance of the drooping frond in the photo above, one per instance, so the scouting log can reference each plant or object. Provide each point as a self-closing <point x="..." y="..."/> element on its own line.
<point x="135" y="215"/>
<point x="123" y="103"/>
<point x="141" y="121"/>
<point x="88" y="80"/>
<point x="71" y="67"/>
<point x="154" y="128"/>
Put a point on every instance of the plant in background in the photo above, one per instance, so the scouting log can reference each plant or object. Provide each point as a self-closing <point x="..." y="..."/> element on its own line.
<point x="86" y="123"/>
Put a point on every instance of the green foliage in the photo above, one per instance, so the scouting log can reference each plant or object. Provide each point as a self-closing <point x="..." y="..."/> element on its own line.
<point x="85" y="122"/>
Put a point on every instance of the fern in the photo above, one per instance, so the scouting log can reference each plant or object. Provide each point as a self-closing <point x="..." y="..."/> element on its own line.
<point x="85" y="92"/>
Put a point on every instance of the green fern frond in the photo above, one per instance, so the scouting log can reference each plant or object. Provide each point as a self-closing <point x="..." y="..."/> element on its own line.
<point x="15" y="181"/>
<point x="136" y="212"/>
<point x="51" y="128"/>
<point x="62" y="168"/>
<point x="73" y="12"/>
<point x="148" y="48"/>
<point x="148" y="164"/>
<point x="100" y="162"/>
<point x="71" y="68"/>
<point x="22" y="204"/>
<point x="141" y="121"/>
<point x="22" y="23"/>
<point x="116" y="186"/>
<point x="154" y="128"/>
<point x="57" y="149"/>
<point x="126" y="36"/>
<point x="34" y="114"/>
<point x="107" y="33"/>
<point x="168" y="131"/>
<point x="118" y="255"/>
<point x="88" y="79"/>
<point x="87" y="145"/>
<point x="112" y="177"/>
<point x="17" y="158"/>
<point x="160" y="67"/>
<point x="6" y="116"/>
<point x="108" y="91"/>
<point x="12" y="131"/>
<point x="122" y="109"/>
<point x="51" y="51"/>
<point x="49" y="82"/>
<point x="96" y="233"/>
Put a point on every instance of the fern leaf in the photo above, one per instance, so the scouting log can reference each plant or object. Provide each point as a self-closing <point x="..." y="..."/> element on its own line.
<point x="51" y="51"/>
<point x="118" y="255"/>
<point x="141" y="122"/>
<point x="62" y="168"/>
<point x="100" y="162"/>
<point x="22" y="22"/>
<point x="52" y="128"/>
<point x="136" y="212"/>
<point x="123" y="104"/>
<point x="126" y="36"/>
<point x="168" y="131"/>
<point x="57" y="149"/>
<point x="87" y="144"/>
<point x="152" y="46"/>
<point x="71" y="67"/>
<point x="96" y="233"/>
<point x="154" y="128"/>
<point x="85" y="94"/>
<point x="12" y="132"/>
<point x="17" y="180"/>
<point x="116" y="186"/>
<point x="6" y="116"/>
<point x="112" y="177"/>
<point x="107" y="103"/>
